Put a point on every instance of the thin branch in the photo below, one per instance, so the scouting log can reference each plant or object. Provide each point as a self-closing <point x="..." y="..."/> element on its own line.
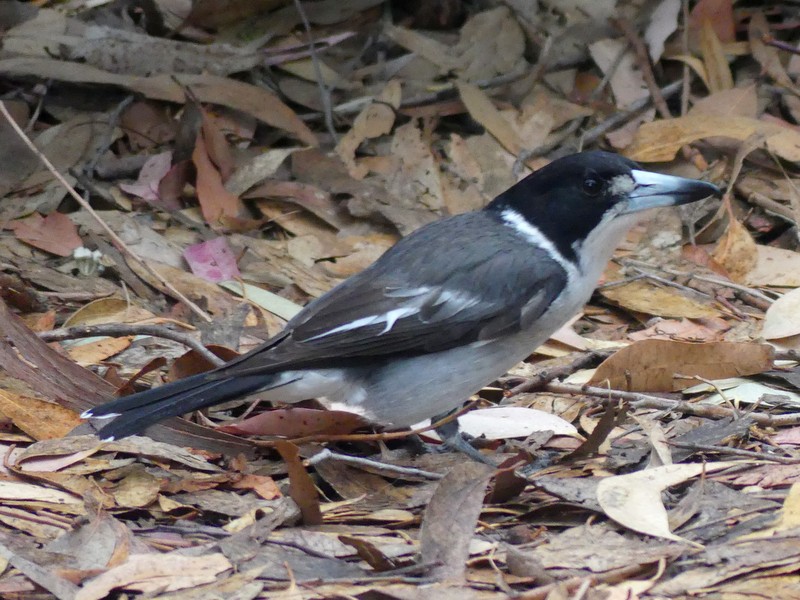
<point x="784" y="460"/>
<point x="372" y="466"/>
<point x="122" y="246"/>
<point x="635" y="108"/>
<point x="125" y="329"/>
<point x="638" y="400"/>
<point x="324" y="92"/>
<point x="643" y="60"/>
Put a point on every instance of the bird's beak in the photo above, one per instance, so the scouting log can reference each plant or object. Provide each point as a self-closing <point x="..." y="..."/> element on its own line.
<point x="654" y="190"/>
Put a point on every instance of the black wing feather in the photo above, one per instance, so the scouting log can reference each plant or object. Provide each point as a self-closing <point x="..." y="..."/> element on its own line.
<point x="486" y="298"/>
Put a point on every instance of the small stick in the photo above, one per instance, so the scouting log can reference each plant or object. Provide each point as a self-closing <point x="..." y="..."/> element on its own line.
<point x="125" y="329"/>
<point x="122" y="246"/>
<point x="639" y="400"/>
<point x="784" y="460"/>
<point x="373" y="466"/>
<point x="643" y="61"/>
<point x="324" y="92"/>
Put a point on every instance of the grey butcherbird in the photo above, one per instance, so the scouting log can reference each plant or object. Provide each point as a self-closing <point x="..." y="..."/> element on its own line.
<point x="448" y="309"/>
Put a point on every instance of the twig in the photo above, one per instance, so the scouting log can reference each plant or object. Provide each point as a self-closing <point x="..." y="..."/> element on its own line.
<point x="638" y="400"/>
<point x="669" y="282"/>
<point x="324" y="92"/>
<point x="707" y="278"/>
<point x="122" y="246"/>
<point x="546" y="376"/>
<point x="643" y="59"/>
<point x="125" y="329"/>
<point x="787" y="355"/>
<point x="355" y="106"/>
<point x="617" y="119"/>
<point x="784" y="460"/>
<point x="773" y="206"/>
<point x="113" y="119"/>
<point x="567" y="131"/>
<point x="771" y="41"/>
<point x="685" y="50"/>
<point x="372" y="466"/>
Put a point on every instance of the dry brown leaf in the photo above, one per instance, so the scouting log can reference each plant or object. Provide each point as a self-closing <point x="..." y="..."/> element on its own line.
<point x="93" y="352"/>
<point x="669" y="366"/>
<point x="774" y="267"/>
<point x="108" y="310"/>
<point x="215" y="201"/>
<point x="39" y="419"/>
<point x="719" y="13"/>
<point x="660" y="140"/>
<point x="156" y="573"/>
<point x="256" y="101"/>
<point x="685" y="330"/>
<point x="55" y="233"/>
<point x="301" y="487"/>
<point x="652" y="299"/>
<point x="736" y="251"/>
<point x="137" y="489"/>
<point x="374" y="120"/>
<point x="482" y="109"/>
<point x="717" y="69"/>
<point x="448" y="524"/>
<point x="297" y="422"/>
<point x="736" y="102"/>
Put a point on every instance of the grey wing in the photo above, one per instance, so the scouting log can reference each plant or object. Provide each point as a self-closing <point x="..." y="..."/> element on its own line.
<point x="380" y="312"/>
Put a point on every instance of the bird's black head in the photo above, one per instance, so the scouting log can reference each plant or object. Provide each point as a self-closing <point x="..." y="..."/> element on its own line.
<point x="582" y="195"/>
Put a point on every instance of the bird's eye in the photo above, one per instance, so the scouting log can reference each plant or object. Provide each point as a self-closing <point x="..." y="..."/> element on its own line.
<point x="592" y="186"/>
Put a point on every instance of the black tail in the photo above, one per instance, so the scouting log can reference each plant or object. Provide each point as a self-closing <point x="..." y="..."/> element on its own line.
<point x="137" y="412"/>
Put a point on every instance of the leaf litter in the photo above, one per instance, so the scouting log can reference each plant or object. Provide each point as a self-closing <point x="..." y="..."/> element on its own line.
<point x="252" y="155"/>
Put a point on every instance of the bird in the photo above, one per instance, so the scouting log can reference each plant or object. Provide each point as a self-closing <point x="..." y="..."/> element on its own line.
<point x="445" y="311"/>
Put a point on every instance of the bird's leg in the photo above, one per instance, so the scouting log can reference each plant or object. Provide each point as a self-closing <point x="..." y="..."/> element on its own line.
<point x="454" y="439"/>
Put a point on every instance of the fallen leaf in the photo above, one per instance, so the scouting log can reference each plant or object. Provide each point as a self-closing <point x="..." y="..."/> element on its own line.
<point x="39" y="419"/>
<point x="156" y="573"/>
<point x="717" y="69"/>
<point x="652" y="299"/>
<point x="301" y="487"/>
<point x="736" y="251"/>
<point x="448" y="524"/>
<point x="213" y="260"/>
<point x="783" y="317"/>
<point x="655" y="365"/>
<point x="663" y="23"/>
<point x="719" y="13"/>
<point x="215" y="201"/>
<point x="148" y="183"/>
<point x="55" y="233"/>
<point x="504" y="422"/>
<point x="660" y="141"/>
<point x="634" y="500"/>
<point x="297" y="422"/>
